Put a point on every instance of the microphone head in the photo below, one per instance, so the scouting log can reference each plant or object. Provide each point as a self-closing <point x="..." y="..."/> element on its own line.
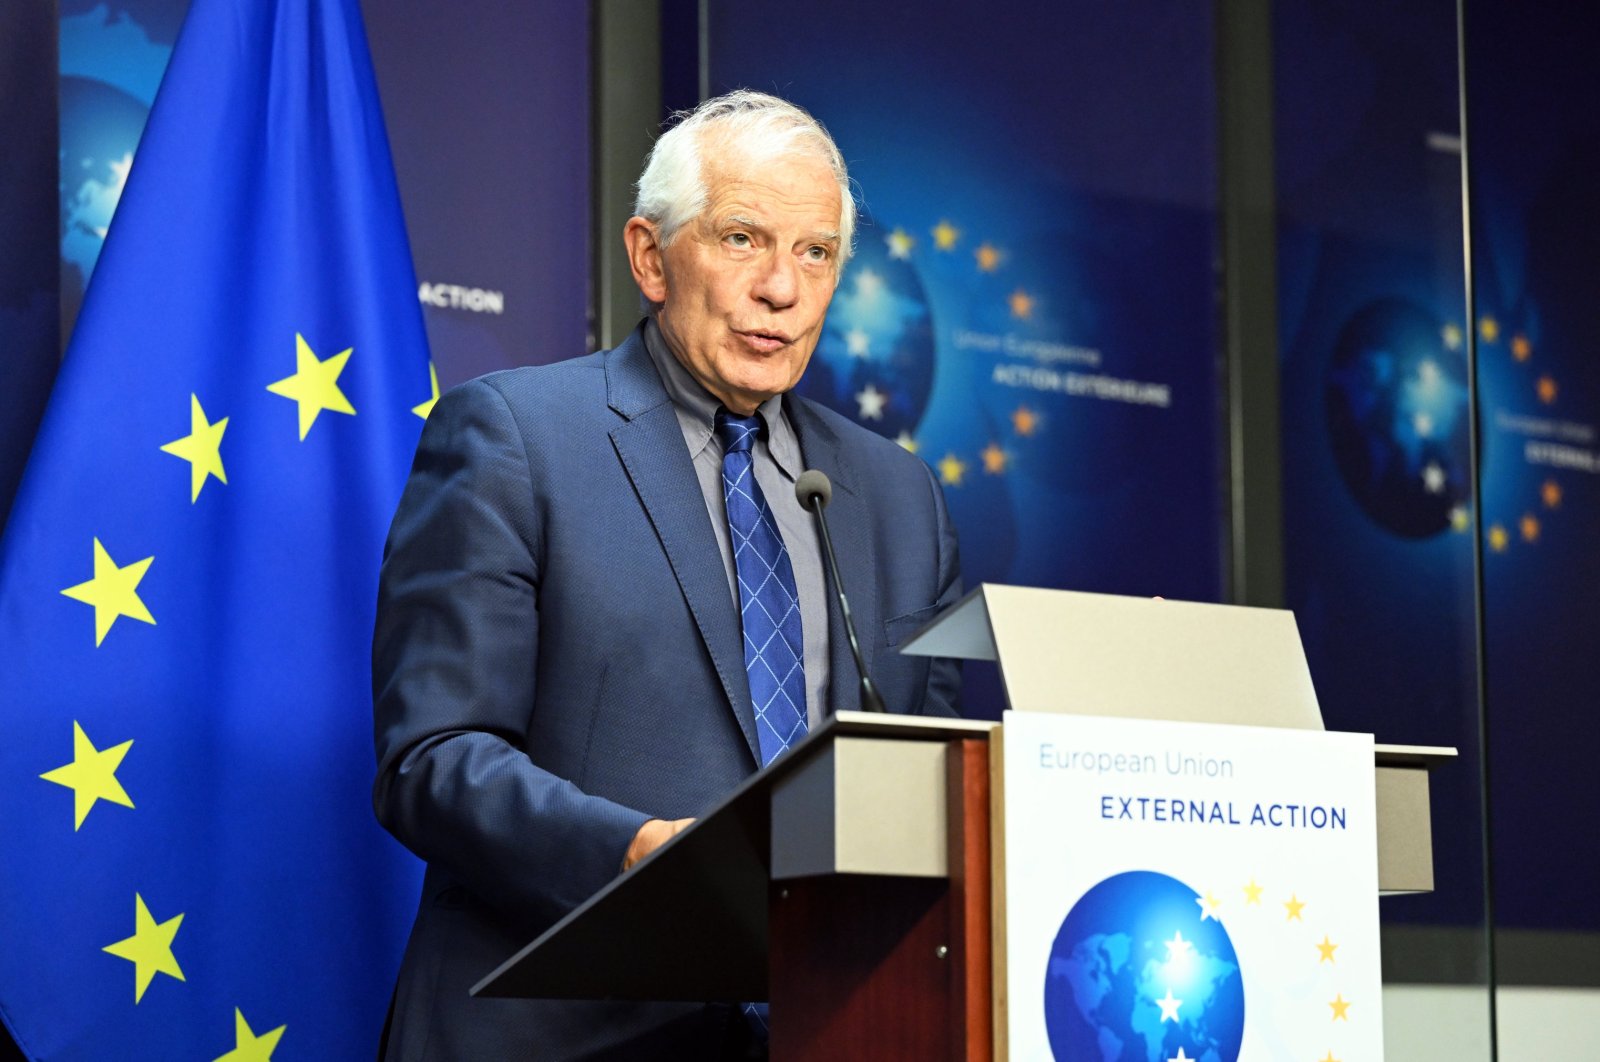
<point x="813" y="484"/>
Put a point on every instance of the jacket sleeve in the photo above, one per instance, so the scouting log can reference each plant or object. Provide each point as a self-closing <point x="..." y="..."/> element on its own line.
<point x="943" y="695"/>
<point x="454" y="668"/>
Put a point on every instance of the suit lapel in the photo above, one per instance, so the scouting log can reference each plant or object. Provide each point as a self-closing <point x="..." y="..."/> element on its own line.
<point x="850" y="521"/>
<point x="651" y="447"/>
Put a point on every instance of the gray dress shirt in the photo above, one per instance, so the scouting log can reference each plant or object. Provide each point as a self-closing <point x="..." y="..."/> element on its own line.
<point x="777" y="463"/>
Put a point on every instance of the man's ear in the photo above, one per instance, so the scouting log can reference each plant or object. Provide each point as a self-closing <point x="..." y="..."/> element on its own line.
<point x="645" y="259"/>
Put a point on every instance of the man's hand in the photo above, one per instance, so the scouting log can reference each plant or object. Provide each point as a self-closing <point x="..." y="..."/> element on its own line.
<point x="652" y="835"/>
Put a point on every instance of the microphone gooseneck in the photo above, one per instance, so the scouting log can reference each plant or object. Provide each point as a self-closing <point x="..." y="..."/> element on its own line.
<point x="814" y="491"/>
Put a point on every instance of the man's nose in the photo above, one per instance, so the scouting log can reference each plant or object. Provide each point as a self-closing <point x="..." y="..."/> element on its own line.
<point x="778" y="284"/>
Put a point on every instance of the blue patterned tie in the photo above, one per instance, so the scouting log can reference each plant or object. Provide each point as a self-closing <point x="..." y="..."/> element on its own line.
<point x="769" y="605"/>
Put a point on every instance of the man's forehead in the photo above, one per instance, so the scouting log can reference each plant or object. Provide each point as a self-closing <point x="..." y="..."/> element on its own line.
<point x="737" y="184"/>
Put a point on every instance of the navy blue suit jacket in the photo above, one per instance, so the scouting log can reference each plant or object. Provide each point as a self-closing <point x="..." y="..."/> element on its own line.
<point x="558" y="658"/>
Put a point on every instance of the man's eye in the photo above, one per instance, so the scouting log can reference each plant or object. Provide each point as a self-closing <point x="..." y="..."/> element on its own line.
<point x="739" y="239"/>
<point x="817" y="253"/>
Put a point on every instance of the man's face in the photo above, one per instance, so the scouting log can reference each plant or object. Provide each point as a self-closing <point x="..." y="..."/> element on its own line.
<point x="745" y="286"/>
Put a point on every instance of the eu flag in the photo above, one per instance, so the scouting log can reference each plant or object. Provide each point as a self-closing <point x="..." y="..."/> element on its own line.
<point x="189" y="864"/>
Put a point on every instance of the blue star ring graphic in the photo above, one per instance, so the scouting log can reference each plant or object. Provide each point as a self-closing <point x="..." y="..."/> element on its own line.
<point x="1141" y="970"/>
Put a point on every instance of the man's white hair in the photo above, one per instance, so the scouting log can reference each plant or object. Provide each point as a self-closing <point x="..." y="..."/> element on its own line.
<point x="759" y="127"/>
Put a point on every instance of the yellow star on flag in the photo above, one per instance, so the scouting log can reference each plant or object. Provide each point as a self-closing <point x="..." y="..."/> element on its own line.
<point x="994" y="459"/>
<point x="1294" y="907"/>
<point x="1459" y="520"/>
<point x="248" y="1047"/>
<point x="945" y="235"/>
<point x="202" y="448"/>
<point x="149" y="949"/>
<point x="424" y="408"/>
<point x="1208" y="907"/>
<point x="1021" y="304"/>
<point x="1340" y="1005"/>
<point x="1451" y="336"/>
<point x="1252" y="893"/>
<point x="1327" y="948"/>
<point x="92" y="775"/>
<point x="1330" y="1058"/>
<point x="1547" y="389"/>
<point x="907" y="441"/>
<point x="1498" y="539"/>
<point x="1488" y="329"/>
<point x="1551" y="493"/>
<point x="951" y="469"/>
<point x="113" y="592"/>
<point x="1024" y="420"/>
<point x="1521" y="349"/>
<point x="900" y="244"/>
<point x="988" y="257"/>
<point x="315" y="384"/>
<point x="1529" y="526"/>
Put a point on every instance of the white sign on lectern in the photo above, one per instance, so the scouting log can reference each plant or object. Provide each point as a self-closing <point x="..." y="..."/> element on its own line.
<point x="1190" y="891"/>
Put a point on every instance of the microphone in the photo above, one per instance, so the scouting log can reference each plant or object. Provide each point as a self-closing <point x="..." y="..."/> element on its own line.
<point x="814" y="491"/>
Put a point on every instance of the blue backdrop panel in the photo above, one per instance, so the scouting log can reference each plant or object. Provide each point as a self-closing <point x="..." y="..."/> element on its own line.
<point x="487" y="106"/>
<point x="1377" y="488"/>
<point x="28" y="271"/>
<point x="1534" y="154"/>
<point x="1031" y="305"/>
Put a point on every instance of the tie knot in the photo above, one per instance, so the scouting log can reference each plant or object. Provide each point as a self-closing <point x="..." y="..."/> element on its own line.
<point x="738" y="434"/>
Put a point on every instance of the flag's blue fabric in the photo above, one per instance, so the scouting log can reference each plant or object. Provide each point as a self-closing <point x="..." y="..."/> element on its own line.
<point x="189" y="864"/>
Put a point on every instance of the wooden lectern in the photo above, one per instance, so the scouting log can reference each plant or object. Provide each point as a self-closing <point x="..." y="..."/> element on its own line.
<point x="848" y="882"/>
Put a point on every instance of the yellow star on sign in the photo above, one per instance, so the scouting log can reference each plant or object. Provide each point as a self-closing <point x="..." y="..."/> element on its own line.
<point x="994" y="459"/>
<point x="202" y="448"/>
<point x="149" y="949"/>
<point x="92" y="775"/>
<point x="1252" y="893"/>
<point x="1489" y="329"/>
<point x="1021" y="304"/>
<point x="1529" y="526"/>
<point x="1294" y="907"/>
<point x="988" y="258"/>
<point x="1547" y="389"/>
<point x="248" y="1047"/>
<point x="1551" y="493"/>
<point x="1340" y="1005"/>
<point x="1498" y="538"/>
<point x="1024" y="420"/>
<point x="1208" y="907"/>
<point x="907" y="441"/>
<point x="1459" y="520"/>
<point x="113" y="592"/>
<point x="900" y="244"/>
<point x="423" y="409"/>
<point x="1521" y="349"/>
<point x="945" y="235"/>
<point x="315" y="384"/>
<point x="1330" y="1058"/>
<point x="1451" y="336"/>
<point x="1327" y="948"/>
<point x="951" y="469"/>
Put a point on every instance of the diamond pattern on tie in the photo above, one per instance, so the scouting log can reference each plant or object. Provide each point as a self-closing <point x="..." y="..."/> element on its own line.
<point x="769" y="604"/>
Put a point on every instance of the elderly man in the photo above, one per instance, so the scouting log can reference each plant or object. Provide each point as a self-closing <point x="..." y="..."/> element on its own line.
<point x="601" y="606"/>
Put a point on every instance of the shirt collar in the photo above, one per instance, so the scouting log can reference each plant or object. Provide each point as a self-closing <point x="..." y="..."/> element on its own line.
<point x="697" y="408"/>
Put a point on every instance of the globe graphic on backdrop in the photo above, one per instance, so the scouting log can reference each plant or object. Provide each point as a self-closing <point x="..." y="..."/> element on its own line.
<point x="1137" y="974"/>
<point x="100" y="128"/>
<point x="874" y="362"/>
<point x="1396" y="401"/>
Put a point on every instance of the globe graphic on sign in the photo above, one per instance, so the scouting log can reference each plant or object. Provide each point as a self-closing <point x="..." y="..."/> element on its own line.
<point x="1139" y="973"/>
<point x="874" y="362"/>
<point x="100" y="128"/>
<point x="1396" y="400"/>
